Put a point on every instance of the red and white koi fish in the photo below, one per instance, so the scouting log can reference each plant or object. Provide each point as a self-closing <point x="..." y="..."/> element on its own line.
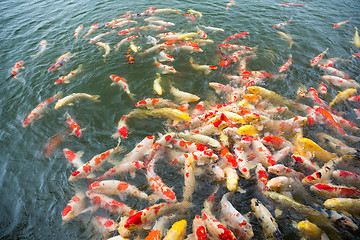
<point x="77" y="31"/>
<point x="285" y="67"/>
<point x="357" y="113"/>
<point x="329" y="120"/>
<point x="161" y="46"/>
<point x="331" y="190"/>
<point x="156" y="27"/>
<point x="287" y="37"/>
<point x="198" y="229"/>
<point x="201" y="158"/>
<point x="234" y="47"/>
<point x="158" y="147"/>
<point x="132" y="30"/>
<point x="108" y="203"/>
<point x="114" y="187"/>
<point x="281" y="184"/>
<point x="237" y="36"/>
<point x="151" y="103"/>
<point x="92" y="29"/>
<point x="98" y="37"/>
<point x="213" y="226"/>
<point x="241" y="160"/>
<point x="151" y="213"/>
<point x="306" y="162"/>
<point x="282" y="170"/>
<point x="346" y="177"/>
<point x="165" y="57"/>
<point x="75" y="206"/>
<point x="267" y="221"/>
<point x="313" y="94"/>
<point x="141" y="149"/>
<point x="189" y="146"/>
<point x="201" y="32"/>
<point x="240" y="224"/>
<point x="43" y="45"/>
<point x="190" y="49"/>
<point x="317" y="59"/>
<point x="341" y="23"/>
<point x="341" y="82"/>
<point x="66" y="79"/>
<point x="322" y="88"/>
<point x="74" y="126"/>
<point x="334" y="71"/>
<point x="356" y="55"/>
<point x="121" y="83"/>
<point x="68" y="100"/>
<point x="189" y="178"/>
<point x="158" y="186"/>
<point x="281" y="25"/>
<point x="39" y="111"/>
<point x="262" y="152"/>
<point x="322" y="175"/>
<point x="94" y="164"/>
<point x="204" y="68"/>
<point x="292" y="4"/>
<point x="230" y="4"/>
<point x="123" y="23"/>
<point x="73" y="158"/>
<point x="164" y="69"/>
<point x="354" y="98"/>
<point x="127" y="39"/>
<point x="261" y="177"/>
<point x="61" y="61"/>
<point x="121" y="168"/>
<point x="104" y="225"/>
<point x="16" y="69"/>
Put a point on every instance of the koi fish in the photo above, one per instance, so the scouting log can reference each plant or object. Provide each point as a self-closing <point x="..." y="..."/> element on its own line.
<point x="40" y="110"/>
<point x="170" y="113"/>
<point x="347" y="177"/>
<point x="322" y="175"/>
<point x="61" y="61"/>
<point x="356" y="39"/>
<point x="157" y="87"/>
<point x="104" y="225"/>
<point x="281" y="25"/>
<point x="68" y="100"/>
<point x="322" y="88"/>
<point x="287" y="37"/>
<point x="240" y="224"/>
<point x="198" y="228"/>
<point x="262" y="153"/>
<point x="66" y="79"/>
<point x="158" y="229"/>
<point x="151" y="103"/>
<point x="214" y="29"/>
<point x="183" y="97"/>
<point x="350" y="205"/>
<point x="105" y="46"/>
<point x="334" y="71"/>
<point x="285" y="67"/>
<point x="73" y="158"/>
<point x="309" y="230"/>
<point x="347" y="93"/>
<point x="317" y="59"/>
<point x="267" y="221"/>
<point x="320" y="153"/>
<point x="230" y="4"/>
<point x="16" y="69"/>
<point x="292" y="4"/>
<point x="129" y="57"/>
<point x="123" y="167"/>
<point x="282" y="170"/>
<point x="77" y="31"/>
<point x="331" y="190"/>
<point x="236" y="36"/>
<point x="114" y="187"/>
<point x="148" y="214"/>
<point x="177" y="231"/>
<point x="204" y="68"/>
<point x="124" y="41"/>
<point x="164" y="69"/>
<point x="108" y="203"/>
<point x="52" y="144"/>
<point x="91" y="30"/>
<point x="98" y="37"/>
<point x="356" y="55"/>
<point x="165" y="57"/>
<point x="74" y="126"/>
<point x="74" y="206"/>
<point x="189" y="16"/>
<point x="94" y="164"/>
<point x="341" y="23"/>
<point x="43" y="45"/>
<point x="341" y="82"/>
<point x="195" y="13"/>
<point x="121" y="83"/>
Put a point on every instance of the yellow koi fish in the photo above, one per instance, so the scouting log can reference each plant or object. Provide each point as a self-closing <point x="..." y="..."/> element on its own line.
<point x="343" y="96"/>
<point x="356" y="38"/>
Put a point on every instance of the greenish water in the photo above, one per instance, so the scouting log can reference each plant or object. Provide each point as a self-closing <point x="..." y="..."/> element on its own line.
<point x="34" y="189"/>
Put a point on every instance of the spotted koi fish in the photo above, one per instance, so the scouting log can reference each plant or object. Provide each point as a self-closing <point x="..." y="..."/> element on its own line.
<point x="122" y="84"/>
<point x="122" y="168"/>
<point x="317" y="59"/>
<point x="331" y="190"/>
<point x="68" y="77"/>
<point x="74" y="126"/>
<point x="75" y="206"/>
<point x="237" y="36"/>
<point x="94" y="164"/>
<point x="164" y="69"/>
<point x="92" y="29"/>
<point x="16" y="69"/>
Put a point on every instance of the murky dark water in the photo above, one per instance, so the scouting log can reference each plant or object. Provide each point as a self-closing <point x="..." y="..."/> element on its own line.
<point x="35" y="189"/>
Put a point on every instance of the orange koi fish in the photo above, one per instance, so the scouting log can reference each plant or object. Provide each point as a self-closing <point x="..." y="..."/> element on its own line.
<point x="17" y="67"/>
<point x="236" y="36"/>
<point x="285" y="67"/>
<point x="74" y="126"/>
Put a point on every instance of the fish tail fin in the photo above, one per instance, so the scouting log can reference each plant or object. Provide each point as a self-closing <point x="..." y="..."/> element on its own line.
<point x="66" y="81"/>
<point x="95" y="98"/>
<point x="131" y="96"/>
<point x="118" y="148"/>
<point x="59" y="94"/>
<point x="116" y="135"/>
<point x="81" y="67"/>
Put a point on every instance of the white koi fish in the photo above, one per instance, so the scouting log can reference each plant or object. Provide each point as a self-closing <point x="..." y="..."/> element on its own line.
<point x="157" y="87"/>
<point x="105" y="46"/>
<point x="77" y="31"/>
<point x="98" y="37"/>
<point x="183" y="97"/>
<point x="341" y="82"/>
<point x="43" y="45"/>
<point x="91" y="30"/>
<point x="214" y="29"/>
<point x="68" y="100"/>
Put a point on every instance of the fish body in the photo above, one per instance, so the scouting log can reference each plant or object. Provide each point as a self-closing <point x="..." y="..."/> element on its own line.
<point x="281" y="25"/>
<point x="127" y="39"/>
<point x="262" y="152"/>
<point x="309" y="230"/>
<point x="214" y="29"/>
<point x="108" y="203"/>
<point x="204" y="68"/>
<point x="40" y="110"/>
<point x="177" y="231"/>
<point x="331" y="190"/>
<point x="68" y="77"/>
<point x="346" y="177"/>
<point x="236" y="36"/>
<point x="105" y="46"/>
<point x="122" y="168"/>
<point x="198" y="228"/>
<point x="341" y="82"/>
<point x="157" y="85"/>
<point x="334" y="71"/>
<point x="74" y="206"/>
<point x="16" y="69"/>
<point x="77" y="31"/>
<point x="215" y="228"/>
<point x="317" y="59"/>
<point x="356" y="39"/>
<point x="94" y="164"/>
<point x="195" y="13"/>
<point x="74" y="126"/>
<point x="92" y="29"/>
<point x="350" y="205"/>
<point x="165" y="57"/>
<point x="73" y="158"/>
<point x="61" y="61"/>
<point x="287" y="37"/>
<point x="342" y="96"/>
<point x="183" y="97"/>
<point x="98" y="37"/>
<point x="68" y="100"/>
<point x="322" y="88"/>
<point x="164" y="69"/>
<point x="151" y="103"/>
<point x="318" y="152"/>
<point x="122" y="84"/>
<point x="285" y="67"/>
<point x="329" y="120"/>
<point x="43" y="45"/>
